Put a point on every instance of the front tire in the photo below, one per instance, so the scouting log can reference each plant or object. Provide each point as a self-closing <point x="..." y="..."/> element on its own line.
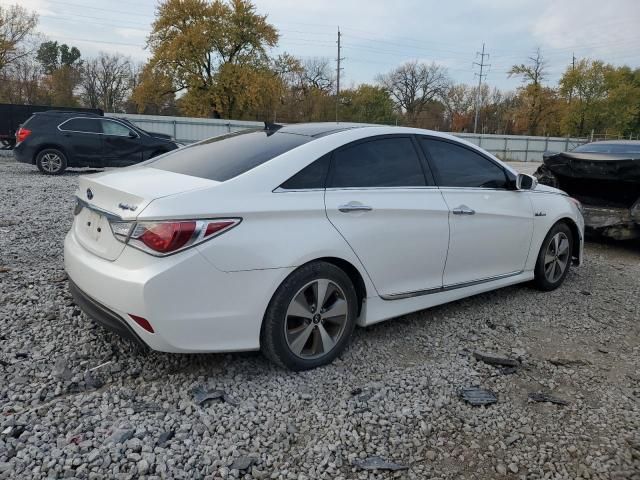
<point x="310" y="318"/>
<point x="51" y="161"/>
<point x="554" y="258"/>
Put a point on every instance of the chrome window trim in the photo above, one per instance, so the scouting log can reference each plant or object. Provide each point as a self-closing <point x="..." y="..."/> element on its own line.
<point x="338" y="189"/>
<point x="96" y="133"/>
<point x="446" y="288"/>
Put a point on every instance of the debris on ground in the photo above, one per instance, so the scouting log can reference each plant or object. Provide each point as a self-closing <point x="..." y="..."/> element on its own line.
<point x="544" y="397"/>
<point x="566" y="362"/>
<point x="91" y="381"/>
<point x="165" y="437"/>
<point x="378" y="463"/>
<point x="495" y="360"/>
<point x="201" y="396"/>
<point x="478" y="396"/>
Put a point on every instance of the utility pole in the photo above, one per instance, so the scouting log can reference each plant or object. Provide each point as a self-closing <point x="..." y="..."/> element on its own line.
<point x="573" y="67"/>
<point x="339" y="59"/>
<point x="480" y="76"/>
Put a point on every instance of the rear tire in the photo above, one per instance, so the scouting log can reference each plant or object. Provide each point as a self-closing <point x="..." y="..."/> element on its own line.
<point x="300" y="332"/>
<point x="554" y="258"/>
<point x="51" y="161"/>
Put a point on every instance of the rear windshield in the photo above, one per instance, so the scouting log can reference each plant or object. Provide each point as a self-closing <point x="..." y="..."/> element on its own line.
<point x="608" y="148"/>
<point x="227" y="156"/>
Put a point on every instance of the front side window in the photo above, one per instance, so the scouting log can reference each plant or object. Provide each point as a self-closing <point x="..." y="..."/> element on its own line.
<point x="457" y="166"/>
<point x="386" y="162"/>
<point x="85" y="125"/>
<point x="227" y="156"/>
<point x="114" y="128"/>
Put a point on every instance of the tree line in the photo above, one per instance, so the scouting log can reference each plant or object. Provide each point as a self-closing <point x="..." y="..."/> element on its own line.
<point x="213" y="59"/>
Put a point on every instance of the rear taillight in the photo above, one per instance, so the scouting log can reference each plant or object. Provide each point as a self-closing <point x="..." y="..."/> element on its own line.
<point x="22" y="134"/>
<point x="166" y="237"/>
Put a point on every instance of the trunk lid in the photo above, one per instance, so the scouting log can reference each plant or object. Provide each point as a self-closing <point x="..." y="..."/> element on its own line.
<point x="122" y="195"/>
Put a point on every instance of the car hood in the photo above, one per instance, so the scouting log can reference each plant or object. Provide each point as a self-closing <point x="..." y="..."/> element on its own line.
<point x="547" y="189"/>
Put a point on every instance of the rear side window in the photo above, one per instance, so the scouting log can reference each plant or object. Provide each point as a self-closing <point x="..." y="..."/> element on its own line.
<point x="110" y="127"/>
<point x="82" y="125"/>
<point x="386" y="162"/>
<point x="312" y="176"/>
<point x="457" y="166"/>
<point x="222" y="158"/>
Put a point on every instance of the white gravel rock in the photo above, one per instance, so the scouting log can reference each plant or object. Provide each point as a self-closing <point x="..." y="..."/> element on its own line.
<point x="393" y="394"/>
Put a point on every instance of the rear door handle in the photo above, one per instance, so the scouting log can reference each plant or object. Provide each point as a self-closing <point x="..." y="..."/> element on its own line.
<point x="354" y="207"/>
<point x="463" y="210"/>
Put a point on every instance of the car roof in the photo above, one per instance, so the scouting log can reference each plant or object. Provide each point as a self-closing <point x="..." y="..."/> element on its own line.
<point x="65" y="113"/>
<point x="318" y="129"/>
<point x="615" y="142"/>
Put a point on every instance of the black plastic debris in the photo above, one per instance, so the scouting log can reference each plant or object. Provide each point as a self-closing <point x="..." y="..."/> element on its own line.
<point x="478" y="396"/>
<point x="22" y="355"/>
<point x="202" y="396"/>
<point x="243" y="462"/>
<point x="544" y="397"/>
<point x="496" y="361"/>
<point x="508" y="370"/>
<point x="92" y="382"/>
<point x="165" y="437"/>
<point x="377" y="463"/>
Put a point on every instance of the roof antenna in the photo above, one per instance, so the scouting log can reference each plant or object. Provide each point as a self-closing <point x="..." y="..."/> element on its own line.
<point x="272" y="126"/>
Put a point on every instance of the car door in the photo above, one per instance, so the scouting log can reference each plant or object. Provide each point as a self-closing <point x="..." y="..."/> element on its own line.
<point x="122" y="146"/>
<point x="490" y="224"/>
<point x="383" y="202"/>
<point x="82" y="141"/>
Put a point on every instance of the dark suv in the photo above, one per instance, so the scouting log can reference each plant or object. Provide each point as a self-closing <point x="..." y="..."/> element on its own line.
<point x="56" y="140"/>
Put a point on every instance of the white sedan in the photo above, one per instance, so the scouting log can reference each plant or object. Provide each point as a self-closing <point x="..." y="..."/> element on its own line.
<point x="285" y="239"/>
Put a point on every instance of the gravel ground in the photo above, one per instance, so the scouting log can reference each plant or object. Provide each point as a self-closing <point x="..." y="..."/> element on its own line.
<point x="78" y="402"/>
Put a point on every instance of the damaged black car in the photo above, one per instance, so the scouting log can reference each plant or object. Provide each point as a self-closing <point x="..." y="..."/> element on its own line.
<point x="605" y="177"/>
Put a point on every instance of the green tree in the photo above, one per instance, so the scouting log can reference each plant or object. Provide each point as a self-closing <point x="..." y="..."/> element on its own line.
<point x="61" y="65"/>
<point x="16" y="27"/>
<point x="215" y="51"/>
<point x="536" y="101"/>
<point x="367" y="103"/>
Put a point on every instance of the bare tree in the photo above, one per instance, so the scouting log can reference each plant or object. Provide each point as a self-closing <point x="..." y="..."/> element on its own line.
<point x="317" y="73"/>
<point x="414" y="85"/>
<point x="16" y="27"/>
<point x="106" y="82"/>
<point x="532" y="73"/>
<point x="533" y="93"/>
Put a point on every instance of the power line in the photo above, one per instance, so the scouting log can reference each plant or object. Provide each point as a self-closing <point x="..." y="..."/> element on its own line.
<point x="480" y="76"/>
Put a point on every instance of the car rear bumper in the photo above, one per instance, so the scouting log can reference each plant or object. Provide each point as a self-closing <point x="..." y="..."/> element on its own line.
<point x="103" y="316"/>
<point x="613" y="222"/>
<point x="192" y="306"/>
<point x="23" y="153"/>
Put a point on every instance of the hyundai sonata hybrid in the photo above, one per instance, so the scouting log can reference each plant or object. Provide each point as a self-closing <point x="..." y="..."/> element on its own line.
<point x="285" y="238"/>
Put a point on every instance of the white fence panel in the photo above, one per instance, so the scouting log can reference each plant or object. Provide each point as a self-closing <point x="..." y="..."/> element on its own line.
<point x="507" y="147"/>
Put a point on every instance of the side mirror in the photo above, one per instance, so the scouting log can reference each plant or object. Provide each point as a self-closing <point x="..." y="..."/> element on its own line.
<point x="132" y="135"/>
<point x="526" y="182"/>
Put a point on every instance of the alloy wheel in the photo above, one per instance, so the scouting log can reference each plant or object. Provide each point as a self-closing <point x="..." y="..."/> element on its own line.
<point x="556" y="257"/>
<point x="316" y="319"/>
<point x="51" y="162"/>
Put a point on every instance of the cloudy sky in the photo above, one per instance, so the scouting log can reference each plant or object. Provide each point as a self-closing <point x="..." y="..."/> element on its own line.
<point x="380" y="34"/>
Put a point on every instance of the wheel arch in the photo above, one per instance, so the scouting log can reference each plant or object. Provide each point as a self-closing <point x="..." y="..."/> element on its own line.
<point x="577" y="244"/>
<point x="49" y="145"/>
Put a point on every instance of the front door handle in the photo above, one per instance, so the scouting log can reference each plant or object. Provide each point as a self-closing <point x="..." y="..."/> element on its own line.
<point x="354" y="207"/>
<point x="463" y="210"/>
